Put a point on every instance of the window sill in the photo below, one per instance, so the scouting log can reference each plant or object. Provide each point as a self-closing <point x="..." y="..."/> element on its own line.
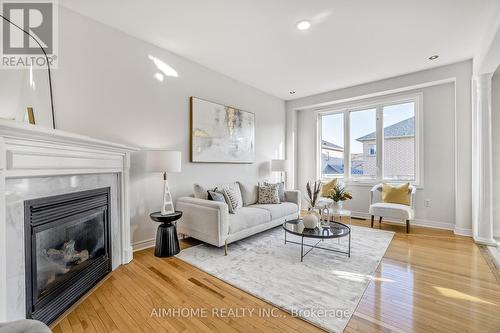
<point x="371" y="183"/>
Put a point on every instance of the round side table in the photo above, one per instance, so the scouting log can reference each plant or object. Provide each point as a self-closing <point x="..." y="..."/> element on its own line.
<point x="167" y="242"/>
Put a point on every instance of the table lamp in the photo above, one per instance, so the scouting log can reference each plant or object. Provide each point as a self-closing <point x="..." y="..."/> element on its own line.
<point x="280" y="166"/>
<point x="165" y="162"/>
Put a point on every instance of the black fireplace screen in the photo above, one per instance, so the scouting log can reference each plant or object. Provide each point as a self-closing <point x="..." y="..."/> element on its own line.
<point x="65" y="250"/>
<point x="68" y="250"/>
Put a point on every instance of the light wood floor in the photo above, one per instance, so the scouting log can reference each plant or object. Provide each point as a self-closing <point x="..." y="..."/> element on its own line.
<point x="428" y="281"/>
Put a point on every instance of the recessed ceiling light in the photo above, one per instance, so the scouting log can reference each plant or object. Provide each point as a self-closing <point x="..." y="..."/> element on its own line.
<point x="292" y="92"/>
<point x="434" y="57"/>
<point x="304" y="25"/>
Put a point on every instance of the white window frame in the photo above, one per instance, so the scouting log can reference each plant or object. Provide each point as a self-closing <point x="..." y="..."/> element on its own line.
<point x="378" y="104"/>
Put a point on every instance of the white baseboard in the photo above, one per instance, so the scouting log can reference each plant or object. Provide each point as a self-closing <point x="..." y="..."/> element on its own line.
<point x="418" y="222"/>
<point x="485" y="241"/>
<point x="463" y="231"/>
<point x="144" y="244"/>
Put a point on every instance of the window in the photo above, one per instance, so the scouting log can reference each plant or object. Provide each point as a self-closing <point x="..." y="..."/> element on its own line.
<point x="332" y="146"/>
<point x="399" y="141"/>
<point x="372" y="150"/>
<point x="363" y="123"/>
<point x="382" y="141"/>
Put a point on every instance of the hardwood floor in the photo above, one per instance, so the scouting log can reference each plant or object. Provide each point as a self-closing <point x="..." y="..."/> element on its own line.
<point x="428" y="281"/>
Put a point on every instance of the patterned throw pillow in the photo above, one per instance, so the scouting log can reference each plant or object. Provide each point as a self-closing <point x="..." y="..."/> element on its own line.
<point x="233" y="199"/>
<point x="281" y="189"/>
<point x="216" y="196"/>
<point x="269" y="195"/>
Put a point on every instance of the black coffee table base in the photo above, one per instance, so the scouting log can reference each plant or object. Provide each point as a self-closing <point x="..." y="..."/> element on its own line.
<point x="315" y="246"/>
<point x="167" y="243"/>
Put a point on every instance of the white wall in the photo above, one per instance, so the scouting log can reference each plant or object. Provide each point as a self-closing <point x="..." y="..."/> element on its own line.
<point x="495" y="90"/>
<point x="447" y="112"/>
<point x="104" y="88"/>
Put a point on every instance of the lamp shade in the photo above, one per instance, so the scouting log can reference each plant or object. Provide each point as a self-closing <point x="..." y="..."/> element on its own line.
<point x="279" y="165"/>
<point x="163" y="161"/>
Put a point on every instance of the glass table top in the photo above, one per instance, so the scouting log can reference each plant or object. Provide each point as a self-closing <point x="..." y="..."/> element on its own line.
<point x="330" y="230"/>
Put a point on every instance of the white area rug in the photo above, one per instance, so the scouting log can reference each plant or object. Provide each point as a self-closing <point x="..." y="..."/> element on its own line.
<point x="324" y="289"/>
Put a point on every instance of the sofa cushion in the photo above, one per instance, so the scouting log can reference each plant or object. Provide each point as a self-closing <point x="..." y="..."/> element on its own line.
<point x="249" y="193"/>
<point x="385" y="209"/>
<point x="247" y="217"/>
<point x="278" y="210"/>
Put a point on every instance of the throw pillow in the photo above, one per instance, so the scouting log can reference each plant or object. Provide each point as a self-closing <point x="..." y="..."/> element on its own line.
<point x="328" y="188"/>
<point x="281" y="189"/>
<point x="234" y="188"/>
<point x="216" y="196"/>
<point x="249" y="193"/>
<point x="233" y="199"/>
<point x="397" y="194"/>
<point x="268" y="195"/>
<point x="200" y="192"/>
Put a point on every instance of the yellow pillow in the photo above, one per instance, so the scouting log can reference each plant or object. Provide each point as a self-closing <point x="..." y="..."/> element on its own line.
<point x="397" y="194"/>
<point x="328" y="188"/>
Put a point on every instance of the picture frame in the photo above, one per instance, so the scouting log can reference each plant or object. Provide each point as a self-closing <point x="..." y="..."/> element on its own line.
<point x="220" y="133"/>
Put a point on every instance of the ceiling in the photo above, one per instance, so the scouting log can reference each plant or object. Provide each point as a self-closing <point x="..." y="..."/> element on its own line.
<point x="350" y="41"/>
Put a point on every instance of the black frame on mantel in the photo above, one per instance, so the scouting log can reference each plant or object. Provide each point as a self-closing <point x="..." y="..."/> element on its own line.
<point x="66" y="207"/>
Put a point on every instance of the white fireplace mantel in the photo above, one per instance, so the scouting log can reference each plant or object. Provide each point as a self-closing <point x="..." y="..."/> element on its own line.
<point x="28" y="151"/>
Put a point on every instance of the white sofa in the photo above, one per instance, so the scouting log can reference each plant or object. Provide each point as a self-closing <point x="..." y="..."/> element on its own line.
<point x="211" y="222"/>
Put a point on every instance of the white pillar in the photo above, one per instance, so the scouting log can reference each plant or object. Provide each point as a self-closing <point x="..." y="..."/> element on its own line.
<point x="482" y="161"/>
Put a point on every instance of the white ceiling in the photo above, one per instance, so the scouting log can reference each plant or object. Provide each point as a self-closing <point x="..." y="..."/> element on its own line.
<point x="350" y="41"/>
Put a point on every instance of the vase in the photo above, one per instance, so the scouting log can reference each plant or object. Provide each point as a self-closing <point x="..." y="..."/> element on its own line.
<point x="311" y="219"/>
<point x="338" y="205"/>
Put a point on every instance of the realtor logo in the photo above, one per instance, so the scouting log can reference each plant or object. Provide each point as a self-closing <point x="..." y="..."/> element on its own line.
<point x="32" y="26"/>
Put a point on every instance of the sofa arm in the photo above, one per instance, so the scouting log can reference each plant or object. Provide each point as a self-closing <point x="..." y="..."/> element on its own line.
<point x="293" y="196"/>
<point x="205" y="220"/>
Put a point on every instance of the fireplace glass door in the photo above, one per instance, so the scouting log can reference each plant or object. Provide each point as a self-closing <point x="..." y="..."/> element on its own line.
<point x="65" y="250"/>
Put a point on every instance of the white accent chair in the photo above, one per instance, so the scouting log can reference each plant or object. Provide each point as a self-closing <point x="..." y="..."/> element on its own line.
<point x="392" y="210"/>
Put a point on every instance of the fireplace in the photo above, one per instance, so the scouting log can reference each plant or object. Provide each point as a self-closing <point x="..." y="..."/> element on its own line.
<point x="67" y="249"/>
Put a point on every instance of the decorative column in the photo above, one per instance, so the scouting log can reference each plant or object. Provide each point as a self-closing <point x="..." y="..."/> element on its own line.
<point x="482" y="161"/>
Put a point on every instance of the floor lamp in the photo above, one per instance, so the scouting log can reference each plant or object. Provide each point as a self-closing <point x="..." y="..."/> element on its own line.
<point x="165" y="162"/>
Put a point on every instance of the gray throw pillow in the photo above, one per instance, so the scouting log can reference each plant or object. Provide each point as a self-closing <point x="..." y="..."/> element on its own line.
<point x="216" y="196"/>
<point x="281" y="189"/>
<point x="268" y="195"/>
<point x="200" y="192"/>
<point x="249" y="193"/>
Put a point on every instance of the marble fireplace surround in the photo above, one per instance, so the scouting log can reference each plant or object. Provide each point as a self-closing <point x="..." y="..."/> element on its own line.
<point x="35" y="163"/>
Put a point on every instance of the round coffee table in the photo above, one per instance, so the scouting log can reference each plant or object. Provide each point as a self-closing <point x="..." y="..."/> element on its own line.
<point x="327" y="231"/>
<point x="167" y="242"/>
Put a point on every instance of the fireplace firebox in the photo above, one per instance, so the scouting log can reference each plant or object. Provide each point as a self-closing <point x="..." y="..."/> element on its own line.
<point x="67" y="250"/>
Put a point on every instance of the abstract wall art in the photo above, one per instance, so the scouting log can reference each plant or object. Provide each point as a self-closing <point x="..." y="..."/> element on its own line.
<point x="221" y="134"/>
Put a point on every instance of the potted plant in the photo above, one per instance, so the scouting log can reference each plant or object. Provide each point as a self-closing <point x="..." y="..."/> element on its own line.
<point x="339" y="194"/>
<point x="311" y="218"/>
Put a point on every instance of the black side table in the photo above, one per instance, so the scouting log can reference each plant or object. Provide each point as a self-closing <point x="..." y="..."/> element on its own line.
<point x="167" y="243"/>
